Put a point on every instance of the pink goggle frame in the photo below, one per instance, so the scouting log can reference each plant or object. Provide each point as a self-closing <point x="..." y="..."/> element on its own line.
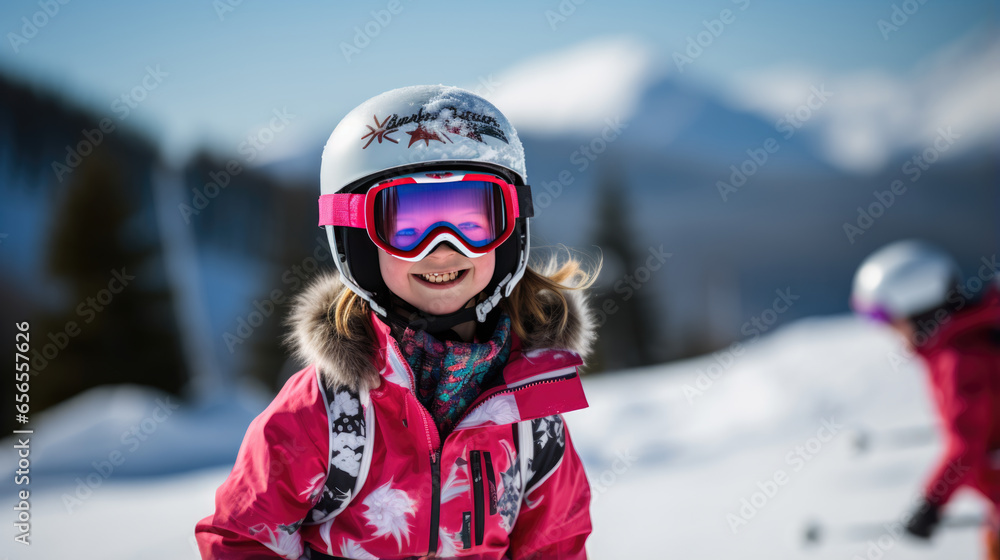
<point x="438" y="204"/>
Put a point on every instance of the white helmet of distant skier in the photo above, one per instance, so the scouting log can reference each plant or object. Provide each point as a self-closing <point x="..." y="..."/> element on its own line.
<point x="903" y="280"/>
<point x="440" y="138"/>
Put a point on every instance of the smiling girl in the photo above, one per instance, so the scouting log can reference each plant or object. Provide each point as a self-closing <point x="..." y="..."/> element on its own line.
<point x="428" y="422"/>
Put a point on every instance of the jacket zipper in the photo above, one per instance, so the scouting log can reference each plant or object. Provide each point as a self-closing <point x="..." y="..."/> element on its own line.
<point x="435" y="458"/>
<point x="435" y="500"/>
<point x="477" y="495"/>
<point x="430" y="430"/>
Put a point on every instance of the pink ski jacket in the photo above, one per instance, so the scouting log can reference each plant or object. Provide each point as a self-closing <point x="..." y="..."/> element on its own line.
<point x="346" y="462"/>
<point x="963" y="362"/>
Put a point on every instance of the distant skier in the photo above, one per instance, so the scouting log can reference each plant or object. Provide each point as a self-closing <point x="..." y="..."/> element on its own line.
<point x="955" y="329"/>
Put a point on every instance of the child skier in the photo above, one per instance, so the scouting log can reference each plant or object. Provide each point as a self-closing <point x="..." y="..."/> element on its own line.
<point x="428" y="423"/>
<point x="955" y="329"/>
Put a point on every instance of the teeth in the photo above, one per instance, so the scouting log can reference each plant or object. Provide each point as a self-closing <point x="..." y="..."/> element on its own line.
<point x="439" y="277"/>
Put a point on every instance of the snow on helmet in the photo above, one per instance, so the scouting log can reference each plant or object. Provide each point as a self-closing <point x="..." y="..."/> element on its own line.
<point x="903" y="280"/>
<point x="413" y="129"/>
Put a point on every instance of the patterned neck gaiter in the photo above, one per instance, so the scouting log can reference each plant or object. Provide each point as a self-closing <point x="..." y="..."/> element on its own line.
<point x="450" y="375"/>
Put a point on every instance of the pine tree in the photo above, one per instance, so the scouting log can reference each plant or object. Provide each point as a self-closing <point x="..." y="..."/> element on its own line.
<point x="628" y="336"/>
<point x="105" y="251"/>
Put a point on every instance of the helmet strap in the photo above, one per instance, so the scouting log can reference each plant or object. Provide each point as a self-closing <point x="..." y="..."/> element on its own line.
<point x="403" y="315"/>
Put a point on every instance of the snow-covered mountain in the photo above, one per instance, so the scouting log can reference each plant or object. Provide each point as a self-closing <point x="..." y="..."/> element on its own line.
<point x="580" y="93"/>
<point x="856" y="122"/>
<point x="606" y="86"/>
<point x="875" y="116"/>
<point x="572" y="91"/>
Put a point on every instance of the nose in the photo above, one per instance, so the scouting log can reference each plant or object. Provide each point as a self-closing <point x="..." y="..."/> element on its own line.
<point x="444" y="249"/>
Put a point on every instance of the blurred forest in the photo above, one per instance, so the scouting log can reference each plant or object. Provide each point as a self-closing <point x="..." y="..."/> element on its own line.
<point x="95" y="281"/>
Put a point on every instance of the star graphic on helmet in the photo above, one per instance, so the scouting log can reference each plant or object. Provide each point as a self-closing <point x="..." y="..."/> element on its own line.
<point x="421" y="133"/>
<point x="380" y="132"/>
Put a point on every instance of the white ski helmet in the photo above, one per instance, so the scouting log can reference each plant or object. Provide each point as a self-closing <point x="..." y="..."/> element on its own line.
<point x="413" y="129"/>
<point x="902" y="280"/>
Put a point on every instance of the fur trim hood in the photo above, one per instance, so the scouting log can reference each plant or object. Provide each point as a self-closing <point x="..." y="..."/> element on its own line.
<point x="344" y="361"/>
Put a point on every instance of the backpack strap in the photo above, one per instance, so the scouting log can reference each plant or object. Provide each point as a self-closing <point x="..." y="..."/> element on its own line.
<point x="350" y="414"/>
<point x="525" y="450"/>
<point x="540" y="444"/>
<point x="544" y="443"/>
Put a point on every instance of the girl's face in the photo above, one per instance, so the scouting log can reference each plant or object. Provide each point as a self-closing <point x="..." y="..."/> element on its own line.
<point x="445" y="280"/>
<point x="442" y="282"/>
<point x="469" y="212"/>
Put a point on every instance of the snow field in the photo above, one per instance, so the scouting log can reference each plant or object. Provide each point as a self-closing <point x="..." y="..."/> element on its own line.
<point x="738" y="469"/>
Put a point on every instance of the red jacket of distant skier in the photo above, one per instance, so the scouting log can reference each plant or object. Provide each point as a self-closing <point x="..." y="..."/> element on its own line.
<point x="963" y="360"/>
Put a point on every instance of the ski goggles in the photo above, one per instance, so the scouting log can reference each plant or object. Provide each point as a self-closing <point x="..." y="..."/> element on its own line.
<point x="873" y="312"/>
<point x="409" y="216"/>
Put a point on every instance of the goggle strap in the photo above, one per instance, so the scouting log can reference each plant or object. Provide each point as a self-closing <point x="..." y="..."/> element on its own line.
<point x="342" y="210"/>
<point x="525" y="204"/>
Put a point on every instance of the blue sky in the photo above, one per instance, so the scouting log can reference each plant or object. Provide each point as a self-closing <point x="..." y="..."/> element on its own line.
<point x="224" y="76"/>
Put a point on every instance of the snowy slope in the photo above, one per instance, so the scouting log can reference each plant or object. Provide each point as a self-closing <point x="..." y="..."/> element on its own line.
<point x="690" y="463"/>
<point x="695" y="461"/>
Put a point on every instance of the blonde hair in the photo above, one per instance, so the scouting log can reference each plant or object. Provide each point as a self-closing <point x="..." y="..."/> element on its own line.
<point x="538" y="298"/>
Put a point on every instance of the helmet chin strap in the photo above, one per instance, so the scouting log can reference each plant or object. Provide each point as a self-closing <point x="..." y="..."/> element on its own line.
<point x="420" y="320"/>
